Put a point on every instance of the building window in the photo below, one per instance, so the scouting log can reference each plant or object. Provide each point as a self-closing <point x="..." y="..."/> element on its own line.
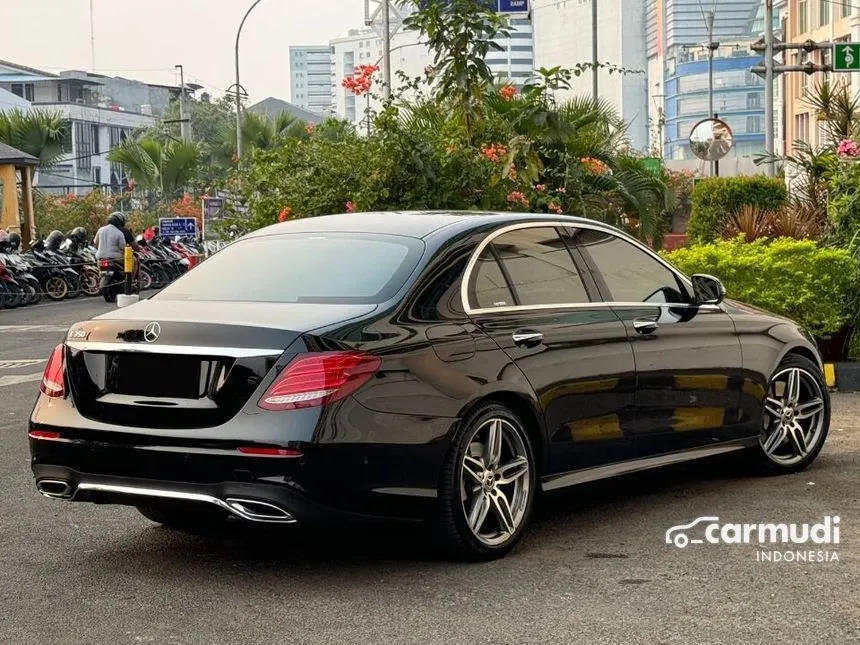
<point x="802" y="17"/>
<point x="823" y="12"/>
<point x="96" y="148"/>
<point x="29" y="92"/>
<point x="754" y="100"/>
<point x="59" y="93"/>
<point x="801" y="127"/>
<point x="17" y="89"/>
<point x="754" y="124"/>
<point x="846" y="9"/>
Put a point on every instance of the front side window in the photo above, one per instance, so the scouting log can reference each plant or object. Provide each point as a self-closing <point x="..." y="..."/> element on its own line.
<point x="526" y="267"/>
<point x="629" y="273"/>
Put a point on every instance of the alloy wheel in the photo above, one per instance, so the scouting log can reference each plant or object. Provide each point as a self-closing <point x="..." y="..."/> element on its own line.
<point x="90" y="281"/>
<point x="794" y="416"/>
<point x="494" y="481"/>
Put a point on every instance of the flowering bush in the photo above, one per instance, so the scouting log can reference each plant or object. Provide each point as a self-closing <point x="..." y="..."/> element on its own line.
<point x="848" y="148"/>
<point x="495" y="152"/>
<point x="65" y="212"/>
<point x="594" y="166"/>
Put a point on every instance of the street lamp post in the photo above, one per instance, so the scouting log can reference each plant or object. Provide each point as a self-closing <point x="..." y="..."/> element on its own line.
<point x="238" y="84"/>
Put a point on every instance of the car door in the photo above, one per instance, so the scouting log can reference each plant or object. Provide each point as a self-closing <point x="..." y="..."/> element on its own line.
<point x="688" y="357"/>
<point x="527" y="293"/>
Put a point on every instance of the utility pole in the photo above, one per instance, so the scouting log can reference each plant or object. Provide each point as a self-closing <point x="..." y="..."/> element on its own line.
<point x="386" y="49"/>
<point x="92" y="39"/>
<point x="768" y="87"/>
<point x="712" y="46"/>
<point x="595" y="92"/>
<point x="184" y="124"/>
<point x="239" y="85"/>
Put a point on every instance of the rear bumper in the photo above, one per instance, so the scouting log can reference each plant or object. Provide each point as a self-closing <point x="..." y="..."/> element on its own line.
<point x="249" y="501"/>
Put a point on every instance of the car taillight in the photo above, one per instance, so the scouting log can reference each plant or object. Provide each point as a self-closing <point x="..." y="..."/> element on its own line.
<point x="53" y="380"/>
<point x="316" y="379"/>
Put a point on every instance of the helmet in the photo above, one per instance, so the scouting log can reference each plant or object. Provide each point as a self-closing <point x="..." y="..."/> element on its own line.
<point x="79" y="234"/>
<point x="117" y="219"/>
<point x="54" y="239"/>
<point x="15" y="241"/>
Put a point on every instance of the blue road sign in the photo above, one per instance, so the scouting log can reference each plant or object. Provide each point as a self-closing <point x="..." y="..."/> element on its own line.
<point x="181" y="226"/>
<point x="513" y="6"/>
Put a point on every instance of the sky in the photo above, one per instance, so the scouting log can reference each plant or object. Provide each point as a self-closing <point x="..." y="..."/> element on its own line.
<point x="145" y="39"/>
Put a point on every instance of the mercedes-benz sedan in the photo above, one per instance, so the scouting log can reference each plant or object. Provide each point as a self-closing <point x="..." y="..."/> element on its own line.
<point x="445" y="367"/>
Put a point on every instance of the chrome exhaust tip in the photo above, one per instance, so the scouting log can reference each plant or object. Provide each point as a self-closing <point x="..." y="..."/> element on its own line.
<point x="54" y="488"/>
<point x="257" y="511"/>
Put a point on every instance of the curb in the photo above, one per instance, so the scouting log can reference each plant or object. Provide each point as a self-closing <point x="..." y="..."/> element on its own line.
<point x="843" y="376"/>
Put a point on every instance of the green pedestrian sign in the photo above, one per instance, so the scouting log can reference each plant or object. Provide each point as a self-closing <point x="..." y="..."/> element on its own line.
<point x="846" y="57"/>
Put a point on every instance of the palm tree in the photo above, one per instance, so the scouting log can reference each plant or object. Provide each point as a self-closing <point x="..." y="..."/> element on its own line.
<point x="36" y="132"/>
<point x="163" y="167"/>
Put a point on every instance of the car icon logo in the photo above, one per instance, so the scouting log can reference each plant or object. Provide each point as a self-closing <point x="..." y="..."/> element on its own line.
<point x="677" y="534"/>
<point x="151" y="332"/>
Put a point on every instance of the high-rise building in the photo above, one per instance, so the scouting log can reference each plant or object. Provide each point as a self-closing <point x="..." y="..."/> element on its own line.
<point x="310" y="78"/>
<point x="620" y="41"/>
<point x="821" y="22"/>
<point x="678" y="85"/>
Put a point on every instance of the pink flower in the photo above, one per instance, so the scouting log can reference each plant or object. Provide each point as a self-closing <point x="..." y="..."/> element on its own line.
<point x="516" y="197"/>
<point x="350" y="207"/>
<point x="540" y="187"/>
<point x="848" y="148"/>
<point x="309" y="128"/>
<point x="555" y="208"/>
<point x="561" y="190"/>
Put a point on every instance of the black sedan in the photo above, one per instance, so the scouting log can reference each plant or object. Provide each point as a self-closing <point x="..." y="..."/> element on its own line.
<point x="422" y="366"/>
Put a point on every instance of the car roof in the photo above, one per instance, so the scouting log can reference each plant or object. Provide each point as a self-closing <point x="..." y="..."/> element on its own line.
<point x="418" y="224"/>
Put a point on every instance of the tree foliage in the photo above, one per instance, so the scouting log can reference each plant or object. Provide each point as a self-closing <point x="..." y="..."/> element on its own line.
<point x="37" y="132"/>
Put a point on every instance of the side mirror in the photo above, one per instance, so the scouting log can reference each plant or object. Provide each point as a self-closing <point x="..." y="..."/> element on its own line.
<point x="707" y="289"/>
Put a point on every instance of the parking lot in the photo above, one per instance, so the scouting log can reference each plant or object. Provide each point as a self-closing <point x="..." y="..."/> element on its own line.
<point x="594" y="567"/>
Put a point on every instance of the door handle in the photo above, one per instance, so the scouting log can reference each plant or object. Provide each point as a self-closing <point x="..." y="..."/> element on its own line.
<point x="527" y="338"/>
<point x="645" y="326"/>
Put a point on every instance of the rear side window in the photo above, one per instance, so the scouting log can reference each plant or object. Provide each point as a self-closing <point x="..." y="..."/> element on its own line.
<point x="323" y="268"/>
<point x="630" y="274"/>
<point x="529" y="267"/>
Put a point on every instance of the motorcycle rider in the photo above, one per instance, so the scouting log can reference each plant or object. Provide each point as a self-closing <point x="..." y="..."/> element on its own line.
<point x="110" y="240"/>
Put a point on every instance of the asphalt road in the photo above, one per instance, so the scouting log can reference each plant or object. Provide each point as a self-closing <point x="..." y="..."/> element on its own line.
<point x="593" y="569"/>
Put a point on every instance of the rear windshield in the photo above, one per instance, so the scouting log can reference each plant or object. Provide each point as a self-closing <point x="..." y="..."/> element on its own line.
<point x="325" y="268"/>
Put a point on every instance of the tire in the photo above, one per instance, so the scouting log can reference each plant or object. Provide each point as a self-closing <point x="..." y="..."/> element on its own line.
<point x="90" y="281"/>
<point x="29" y="293"/>
<point x="14" y="297"/>
<point x="144" y="279"/>
<point x="481" y="491"/>
<point x="183" y="518"/>
<point x="795" y="421"/>
<point x="56" y="287"/>
<point x="74" y="287"/>
<point x="37" y="293"/>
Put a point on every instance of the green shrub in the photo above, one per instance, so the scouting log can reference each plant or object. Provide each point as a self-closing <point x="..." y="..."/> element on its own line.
<point x="798" y="279"/>
<point x="715" y="199"/>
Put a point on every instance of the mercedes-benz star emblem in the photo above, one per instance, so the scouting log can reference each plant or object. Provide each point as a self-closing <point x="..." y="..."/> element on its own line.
<point x="151" y="332"/>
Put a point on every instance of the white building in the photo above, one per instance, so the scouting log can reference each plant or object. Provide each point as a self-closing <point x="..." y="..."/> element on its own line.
<point x="310" y="78"/>
<point x="100" y="113"/>
<point x="562" y="32"/>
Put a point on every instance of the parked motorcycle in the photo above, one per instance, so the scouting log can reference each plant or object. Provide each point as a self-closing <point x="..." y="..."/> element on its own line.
<point x="19" y="269"/>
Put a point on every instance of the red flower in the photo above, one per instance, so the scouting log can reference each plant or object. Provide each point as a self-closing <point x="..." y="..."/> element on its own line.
<point x="350" y="207"/>
<point x="285" y="214"/>
<point x="595" y="166"/>
<point x="309" y="128"/>
<point x="494" y="152"/>
<point x="362" y="79"/>
<point x="508" y="92"/>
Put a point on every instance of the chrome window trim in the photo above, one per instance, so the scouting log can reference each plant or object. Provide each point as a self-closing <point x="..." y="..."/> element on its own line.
<point x="473" y="260"/>
<point x="152" y="348"/>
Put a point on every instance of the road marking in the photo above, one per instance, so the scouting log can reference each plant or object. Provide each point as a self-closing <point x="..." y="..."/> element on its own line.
<point x="36" y="328"/>
<point x="23" y="362"/>
<point x="15" y="380"/>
